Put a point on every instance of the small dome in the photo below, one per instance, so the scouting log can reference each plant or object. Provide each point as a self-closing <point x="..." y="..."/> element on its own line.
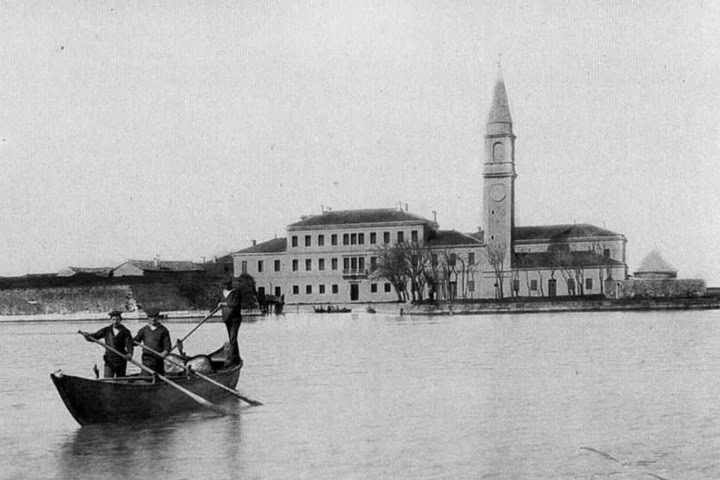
<point x="654" y="266"/>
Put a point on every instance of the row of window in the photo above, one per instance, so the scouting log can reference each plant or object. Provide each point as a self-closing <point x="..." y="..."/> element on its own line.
<point x="570" y="284"/>
<point x="335" y="289"/>
<point x="349" y="263"/>
<point x="354" y="239"/>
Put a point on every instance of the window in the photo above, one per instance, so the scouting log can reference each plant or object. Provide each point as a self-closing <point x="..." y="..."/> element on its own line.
<point x="400" y="237"/>
<point x="414" y="236"/>
<point x="261" y="292"/>
<point x="277" y="265"/>
<point x="321" y="264"/>
<point x="353" y="239"/>
<point x="471" y="258"/>
<point x="533" y="285"/>
<point x="388" y="288"/>
<point x="261" y="264"/>
<point x="386" y="237"/>
<point x="334" y="289"/>
<point x="295" y="265"/>
<point x="361" y="239"/>
<point x="308" y="240"/>
<point x="308" y="289"/>
<point x="373" y="288"/>
<point x="516" y="285"/>
<point x="606" y="252"/>
<point x="361" y="263"/>
<point x="452" y="260"/>
<point x="373" y="263"/>
<point x="346" y="239"/>
<point x="588" y="284"/>
<point x="571" y="286"/>
<point x="308" y="265"/>
<point x="471" y="285"/>
<point x="296" y="290"/>
<point x="353" y="263"/>
<point x="321" y="288"/>
<point x="294" y="241"/>
<point x="278" y="291"/>
<point x="243" y="266"/>
<point x="333" y="239"/>
<point x="373" y="238"/>
<point x="346" y="263"/>
<point x="321" y="240"/>
<point x="334" y="263"/>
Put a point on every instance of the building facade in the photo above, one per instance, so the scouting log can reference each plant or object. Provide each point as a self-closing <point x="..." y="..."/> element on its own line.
<point x="333" y="257"/>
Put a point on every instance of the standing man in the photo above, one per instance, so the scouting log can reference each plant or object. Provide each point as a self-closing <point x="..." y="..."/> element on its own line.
<point x="231" y="305"/>
<point x="119" y="338"/>
<point x="155" y="336"/>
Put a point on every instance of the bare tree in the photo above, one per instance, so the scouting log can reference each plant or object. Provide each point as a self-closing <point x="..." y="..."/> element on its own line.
<point x="496" y="258"/>
<point x="392" y="267"/>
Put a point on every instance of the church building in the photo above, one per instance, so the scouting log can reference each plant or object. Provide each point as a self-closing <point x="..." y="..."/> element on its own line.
<point x="342" y="256"/>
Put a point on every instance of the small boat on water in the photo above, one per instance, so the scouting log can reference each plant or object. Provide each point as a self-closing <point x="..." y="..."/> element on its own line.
<point x="136" y="397"/>
<point x="331" y="309"/>
<point x="370" y="309"/>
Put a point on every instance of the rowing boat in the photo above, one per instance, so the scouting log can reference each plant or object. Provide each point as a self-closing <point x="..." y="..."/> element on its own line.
<point x="137" y="397"/>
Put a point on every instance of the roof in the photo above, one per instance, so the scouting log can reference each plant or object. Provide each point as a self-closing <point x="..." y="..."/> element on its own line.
<point x="165" y="266"/>
<point x="276" y="245"/>
<point x="448" y="238"/>
<point x="499" y="111"/>
<point x="654" y="263"/>
<point x="349" y="217"/>
<point x="564" y="259"/>
<point x="552" y="233"/>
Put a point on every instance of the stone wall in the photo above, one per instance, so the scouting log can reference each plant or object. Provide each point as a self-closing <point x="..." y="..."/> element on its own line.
<point x="658" y="288"/>
<point x="91" y="299"/>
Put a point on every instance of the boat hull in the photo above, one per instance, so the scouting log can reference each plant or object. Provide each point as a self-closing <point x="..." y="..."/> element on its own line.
<point x="92" y="401"/>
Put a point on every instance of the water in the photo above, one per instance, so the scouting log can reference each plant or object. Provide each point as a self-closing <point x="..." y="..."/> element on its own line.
<point x="357" y="396"/>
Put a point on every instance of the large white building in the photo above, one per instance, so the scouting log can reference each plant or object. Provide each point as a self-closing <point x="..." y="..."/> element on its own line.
<point x="333" y="257"/>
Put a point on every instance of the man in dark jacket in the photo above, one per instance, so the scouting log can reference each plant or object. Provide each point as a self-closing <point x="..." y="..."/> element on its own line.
<point x="231" y="305"/>
<point x="157" y="337"/>
<point x="119" y="338"/>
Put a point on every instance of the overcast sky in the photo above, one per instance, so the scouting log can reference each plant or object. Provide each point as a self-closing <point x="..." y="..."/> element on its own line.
<point x="186" y="130"/>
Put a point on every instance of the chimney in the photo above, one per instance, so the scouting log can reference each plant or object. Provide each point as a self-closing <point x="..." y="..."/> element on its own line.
<point x="434" y="212"/>
<point x="406" y="207"/>
<point x="254" y="242"/>
<point x="156" y="261"/>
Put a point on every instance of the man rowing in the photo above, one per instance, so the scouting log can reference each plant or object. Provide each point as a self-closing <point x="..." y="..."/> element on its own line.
<point x="117" y="336"/>
<point x="155" y="336"/>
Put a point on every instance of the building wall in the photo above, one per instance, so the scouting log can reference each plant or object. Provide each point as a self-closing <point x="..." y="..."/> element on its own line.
<point x="615" y="247"/>
<point x="128" y="269"/>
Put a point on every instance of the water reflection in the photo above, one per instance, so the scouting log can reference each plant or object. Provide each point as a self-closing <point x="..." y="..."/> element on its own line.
<point x="189" y="446"/>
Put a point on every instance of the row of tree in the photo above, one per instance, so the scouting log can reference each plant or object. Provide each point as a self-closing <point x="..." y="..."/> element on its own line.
<point x="418" y="272"/>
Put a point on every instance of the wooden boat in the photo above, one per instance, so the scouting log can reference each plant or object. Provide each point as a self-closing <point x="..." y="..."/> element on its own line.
<point x="331" y="309"/>
<point x="136" y="397"/>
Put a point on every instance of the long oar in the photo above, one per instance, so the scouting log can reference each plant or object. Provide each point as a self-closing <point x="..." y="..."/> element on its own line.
<point x="205" y="403"/>
<point x="204" y="377"/>
<point x="179" y="343"/>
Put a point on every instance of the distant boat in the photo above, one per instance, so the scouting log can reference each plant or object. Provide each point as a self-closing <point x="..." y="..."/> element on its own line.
<point x="370" y="309"/>
<point x="331" y="309"/>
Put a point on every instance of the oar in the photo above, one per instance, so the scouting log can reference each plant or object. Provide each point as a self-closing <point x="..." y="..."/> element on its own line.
<point x="205" y="403"/>
<point x="204" y="377"/>
<point x="179" y="343"/>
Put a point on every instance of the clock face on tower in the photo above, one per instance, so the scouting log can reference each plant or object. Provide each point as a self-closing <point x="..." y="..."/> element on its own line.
<point x="497" y="192"/>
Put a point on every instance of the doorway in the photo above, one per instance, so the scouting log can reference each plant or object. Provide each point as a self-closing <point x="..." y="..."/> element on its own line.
<point x="354" y="292"/>
<point x="552" y="287"/>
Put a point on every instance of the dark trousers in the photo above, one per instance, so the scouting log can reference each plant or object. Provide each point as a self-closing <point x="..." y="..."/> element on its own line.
<point x="233" y="354"/>
<point x="157" y="364"/>
<point x="113" y="370"/>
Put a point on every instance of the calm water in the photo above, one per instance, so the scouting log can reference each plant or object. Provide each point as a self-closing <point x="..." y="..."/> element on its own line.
<point x="375" y="396"/>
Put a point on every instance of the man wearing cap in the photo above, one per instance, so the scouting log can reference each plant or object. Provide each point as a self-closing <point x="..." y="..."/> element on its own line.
<point x="157" y="337"/>
<point x="119" y="338"/>
<point x="231" y="304"/>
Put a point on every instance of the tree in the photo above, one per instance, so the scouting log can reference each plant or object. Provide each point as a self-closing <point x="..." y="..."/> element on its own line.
<point x="392" y="267"/>
<point x="496" y="258"/>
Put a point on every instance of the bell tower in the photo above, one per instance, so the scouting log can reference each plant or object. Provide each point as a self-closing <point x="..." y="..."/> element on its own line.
<point x="499" y="176"/>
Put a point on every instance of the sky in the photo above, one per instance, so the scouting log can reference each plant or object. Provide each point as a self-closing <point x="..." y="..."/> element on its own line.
<point x="186" y="129"/>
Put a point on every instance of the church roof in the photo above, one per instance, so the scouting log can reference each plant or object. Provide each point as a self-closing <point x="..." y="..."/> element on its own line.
<point x="276" y="245"/>
<point x="449" y="238"/>
<point x="552" y="233"/>
<point x="348" y="217"/>
<point x="654" y="263"/>
<point x="558" y="260"/>
<point x="500" y="111"/>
